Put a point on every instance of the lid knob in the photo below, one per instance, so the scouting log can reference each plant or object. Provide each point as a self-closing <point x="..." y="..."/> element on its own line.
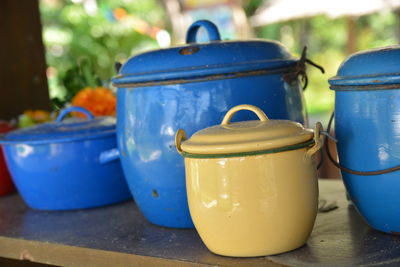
<point x="228" y="116"/>
<point x="66" y="111"/>
<point x="212" y="30"/>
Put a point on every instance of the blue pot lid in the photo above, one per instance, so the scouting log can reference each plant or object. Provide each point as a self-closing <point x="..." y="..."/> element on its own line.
<point x="369" y="69"/>
<point x="67" y="130"/>
<point x="196" y="60"/>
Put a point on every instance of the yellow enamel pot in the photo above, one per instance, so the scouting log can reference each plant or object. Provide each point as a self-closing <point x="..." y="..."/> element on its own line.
<point x="252" y="186"/>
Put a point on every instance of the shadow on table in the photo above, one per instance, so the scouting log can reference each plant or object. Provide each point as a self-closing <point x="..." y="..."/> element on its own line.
<point x="343" y="238"/>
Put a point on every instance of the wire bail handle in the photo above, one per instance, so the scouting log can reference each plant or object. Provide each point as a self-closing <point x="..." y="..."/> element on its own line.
<point x="345" y="169"/>
<point x="318" y="141"/>
<point x="300" y="69"/>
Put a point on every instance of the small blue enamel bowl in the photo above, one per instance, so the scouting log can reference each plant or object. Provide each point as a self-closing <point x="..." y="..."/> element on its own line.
<point x="63" y="165"/>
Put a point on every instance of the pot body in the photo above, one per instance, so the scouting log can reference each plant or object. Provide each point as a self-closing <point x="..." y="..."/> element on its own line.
<point x="367" y="128"/>
<point x="67" y="175"/>
<point x="6" y="185"/>
<point x="254" y="205"/>
<point x="148" y="118"/>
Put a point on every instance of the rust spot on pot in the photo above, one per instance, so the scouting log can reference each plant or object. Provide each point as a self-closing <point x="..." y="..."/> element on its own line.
<point x="189" y="50"/>
<point x="154" y="193"/>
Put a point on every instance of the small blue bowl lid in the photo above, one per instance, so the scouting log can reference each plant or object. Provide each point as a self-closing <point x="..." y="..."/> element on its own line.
<point x="203" y="59"/>
<point x="63" y="130"/>
<point x="370" y="69"/>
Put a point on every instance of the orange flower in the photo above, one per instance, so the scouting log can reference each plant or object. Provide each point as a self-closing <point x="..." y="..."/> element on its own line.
<point x="119" y="13"/>
<point x="100" y="101"/>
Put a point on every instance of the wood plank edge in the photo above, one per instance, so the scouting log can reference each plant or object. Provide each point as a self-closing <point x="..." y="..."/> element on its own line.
<point x="63" y="255"/>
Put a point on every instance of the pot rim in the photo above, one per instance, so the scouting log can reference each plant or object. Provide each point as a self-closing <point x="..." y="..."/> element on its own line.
<point x="58" y="131"/>
<point x="71" y="139"/>
<point x="306" y="144"/>
<point x="207" y="72"/>
<point x="365" y="82"/>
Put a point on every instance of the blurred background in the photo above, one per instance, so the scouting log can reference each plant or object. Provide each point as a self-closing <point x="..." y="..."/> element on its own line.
<point x="105" y="31"/>
<point x="65" y="50"/>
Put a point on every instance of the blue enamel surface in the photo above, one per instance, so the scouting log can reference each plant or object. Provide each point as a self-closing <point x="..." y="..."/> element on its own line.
<point x="63" y="176"/>
<point x="371" y="67"/>
<point x="368" y="130"/>
<point x="148" y="118"/>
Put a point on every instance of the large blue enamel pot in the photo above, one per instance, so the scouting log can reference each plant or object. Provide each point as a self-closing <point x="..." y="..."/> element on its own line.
<point x="59" y="165"/>
<point x="192" y="87"/>
<point x="367" y="126"/>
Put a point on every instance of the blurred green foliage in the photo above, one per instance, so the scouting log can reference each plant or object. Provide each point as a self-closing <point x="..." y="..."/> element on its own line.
<point x="102" y="37"/>
<point x="73" y="33"/>
<point x="327" y="42"/>
<point x="79" y="76"/>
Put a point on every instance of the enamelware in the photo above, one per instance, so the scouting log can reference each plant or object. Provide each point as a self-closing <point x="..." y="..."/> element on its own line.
<point x="57" y="165"/>
<point x="252" y="185"/>
<point x="192" y="87"/>
<point x="367" y="127"/>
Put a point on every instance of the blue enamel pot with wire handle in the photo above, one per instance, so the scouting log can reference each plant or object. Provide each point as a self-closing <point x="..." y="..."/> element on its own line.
<point x="62" y="165"/>
<point x="367" y="127"/>
<point x="192" y="87"/>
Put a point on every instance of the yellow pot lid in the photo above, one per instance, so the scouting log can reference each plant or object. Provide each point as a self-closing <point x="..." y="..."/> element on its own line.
<point x="247" y="136"/>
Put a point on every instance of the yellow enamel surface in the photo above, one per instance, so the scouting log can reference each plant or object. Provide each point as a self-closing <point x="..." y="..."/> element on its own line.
<point x="255" y="205"/>
<point x="246" y="136"/>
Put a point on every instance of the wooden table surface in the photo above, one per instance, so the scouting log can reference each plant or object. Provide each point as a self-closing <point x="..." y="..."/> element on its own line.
<point x="118" y="235"/>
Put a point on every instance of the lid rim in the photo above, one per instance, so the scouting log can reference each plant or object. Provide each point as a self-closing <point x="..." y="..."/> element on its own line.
<point x="207" y="70"/>
<point x="365" y="87"/>
<point x="251" y="153"/>
<point x="245" y="136"/>
<point x="363" y="80"/>
<point x="65" y="131"/>
<point x="261" y="62"/>
<point x="4" y="141"/>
